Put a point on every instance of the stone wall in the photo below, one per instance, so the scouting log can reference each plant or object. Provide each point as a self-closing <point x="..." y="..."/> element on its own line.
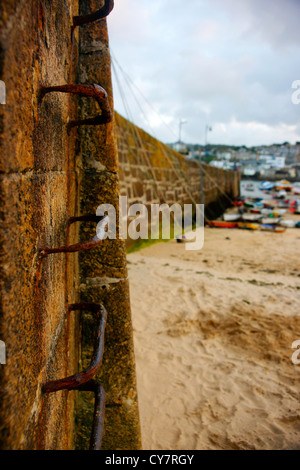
<point x="48" y="176"/>
<point x="151" y="172"/>
<point x="103" y="271"/>
<point x="38" y="194"/>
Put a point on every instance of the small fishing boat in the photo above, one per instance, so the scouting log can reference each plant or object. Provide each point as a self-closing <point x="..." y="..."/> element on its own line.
<point x="272" y="228"/>
<point x="288" y="223"/>
<point x="231" y="217"/>
<point x="266" y="186"/>
<point x="222" y="224"/>
<point x="267" y="205"/>
<point x="248" y="226"/>
<point x="253" y="202"/>
<point x="266" y="211"/>
<point x="284" y="185"/>
<point x="251" y="217"/>
<point x="238" y="202"/>
<point x="255" y="210"/>
<point x="279" y="229"/>
<point x="248" y="203"/>
<point x="296" y="189"/>
<point x="270" y="220"/>
<point x="283" y="204"/>
<point x="273" y="213"/>
<point x="282" y="194"/>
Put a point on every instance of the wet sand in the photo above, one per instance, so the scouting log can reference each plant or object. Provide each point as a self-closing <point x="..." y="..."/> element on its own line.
<point x="213" y="332"/>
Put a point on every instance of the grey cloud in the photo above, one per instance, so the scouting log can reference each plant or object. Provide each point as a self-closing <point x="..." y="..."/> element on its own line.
<point x="220" y="61"/>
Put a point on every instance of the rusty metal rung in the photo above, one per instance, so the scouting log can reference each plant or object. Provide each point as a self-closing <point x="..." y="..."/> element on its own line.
<point x="98" y="418"/>
<point x="97" y="15"/>
<point x="86" y="218"/>
<point x="94" y="91"/>
<point x="82" y="246"/>
<point x="69" y="383"/>
<point x="83" y="381"/>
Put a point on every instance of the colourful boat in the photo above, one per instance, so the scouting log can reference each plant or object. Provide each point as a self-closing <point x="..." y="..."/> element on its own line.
<point x="255" y="210"/>
<point x="296" y="190"/>
<point x="270" y="220"/>
<point x="284" y="185"/>
<point x="231" y="217"/>
<point x="282" y="194"/>
<point x="253" y="203"/>
<point x="267" y="205"/>
<point x="251" y="217"/>
<point x="278" y="229"/>
<point x="266" y="186"/>
<point x="248" y="226"/>
<point x="288" y="223"/>
<point x="273" y="212"/>
<point x="222" y="224"/>
<point x="272" y="228"/>
<point x="238" y="202"/>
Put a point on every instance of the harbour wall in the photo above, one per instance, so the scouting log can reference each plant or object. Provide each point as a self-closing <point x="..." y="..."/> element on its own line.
<point x="153" y="173"/>
<point x="47" y="176"/>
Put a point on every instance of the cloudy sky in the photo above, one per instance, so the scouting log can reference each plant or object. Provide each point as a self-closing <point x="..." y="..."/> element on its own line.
<point x="226" y="63"/>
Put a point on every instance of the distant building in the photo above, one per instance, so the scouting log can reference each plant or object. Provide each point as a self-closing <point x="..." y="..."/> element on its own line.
<point x="225" y="165"/>
<point x="180" y="147"/>
<point x="223" y="155"/>
<point x="249" y="170"/>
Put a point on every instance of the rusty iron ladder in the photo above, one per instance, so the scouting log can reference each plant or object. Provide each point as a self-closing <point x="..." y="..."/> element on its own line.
<point x="83" y="381"/>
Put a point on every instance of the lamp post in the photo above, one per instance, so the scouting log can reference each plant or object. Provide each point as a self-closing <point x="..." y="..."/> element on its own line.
<point x="182" y="121"/>
<point x="207" y="129"/>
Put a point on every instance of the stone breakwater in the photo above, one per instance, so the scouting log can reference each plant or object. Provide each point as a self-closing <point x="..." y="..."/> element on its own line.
<point x="151" y="172"/>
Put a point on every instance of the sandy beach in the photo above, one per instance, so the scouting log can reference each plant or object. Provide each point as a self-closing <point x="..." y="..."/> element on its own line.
<point x="213" y="333"/>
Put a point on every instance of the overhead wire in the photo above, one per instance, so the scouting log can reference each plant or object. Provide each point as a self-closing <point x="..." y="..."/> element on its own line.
<point x="135" y="133"/>
<point x="165" y="150"/>
<point x="162" y="146"/>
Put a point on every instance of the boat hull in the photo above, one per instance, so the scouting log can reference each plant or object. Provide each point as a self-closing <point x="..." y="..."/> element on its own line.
<point x="272" y="228"/>
<point x="248" y="226"/>
<point x="222" y="224"/>
<point x="231" y="217"/>
<point x="270" y="220"/>
<point x="288" y="223"/>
